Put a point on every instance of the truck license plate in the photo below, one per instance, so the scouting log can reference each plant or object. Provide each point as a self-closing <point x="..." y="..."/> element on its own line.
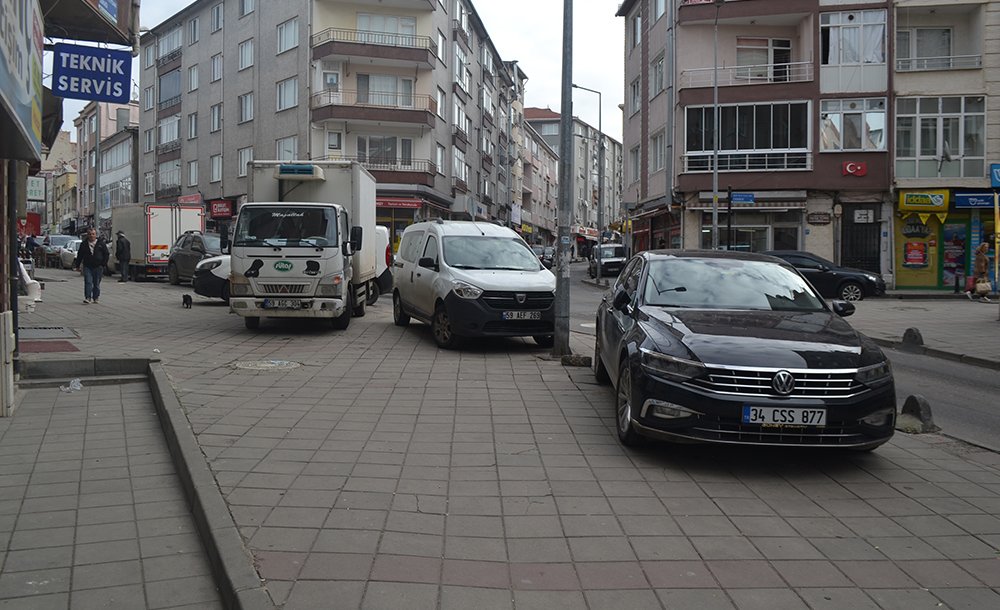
<point x="522" y="315"/>
<point x="282" y="304"/>
<point x="782" y="416"/>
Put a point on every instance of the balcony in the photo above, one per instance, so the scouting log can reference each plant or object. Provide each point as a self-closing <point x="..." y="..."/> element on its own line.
<point x="750" y="161"/>
<point x="460" y="137"/>
<point x="762" y="74"/>
<point x="373" y="106"/>
<point x="461" y="33"/>
<point x="168" y="103"/>
<point x="927" y="64"/>
<point x="382" y="48"/>
<point x="396" y="171"/>
<point x="168" y="147"/>
<point x="459" y="185"/>
<point x="165" y="61"/>
<point x="168" y="192"/>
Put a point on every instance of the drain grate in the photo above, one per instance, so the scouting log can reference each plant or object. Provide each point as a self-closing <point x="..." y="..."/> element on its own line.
<point x="46" y="332"/>
<point x="266" y="365"/>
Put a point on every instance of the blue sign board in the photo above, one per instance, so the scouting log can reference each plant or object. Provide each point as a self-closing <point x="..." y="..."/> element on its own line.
<point x="91" y="73"/>
<point x="995" y="175"/>
<point x="974" y="200"/>
<point x="743" y="198"/>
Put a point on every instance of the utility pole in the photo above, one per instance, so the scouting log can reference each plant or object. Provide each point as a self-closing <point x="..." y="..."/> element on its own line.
<point x="561" y="345"/>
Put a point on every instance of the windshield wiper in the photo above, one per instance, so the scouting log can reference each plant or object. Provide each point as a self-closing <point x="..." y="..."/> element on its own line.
<point x="312" y="243"/>
<point x="512" y="269"/>
<point x="662" y="290"/>
<point x="268" y="243"/>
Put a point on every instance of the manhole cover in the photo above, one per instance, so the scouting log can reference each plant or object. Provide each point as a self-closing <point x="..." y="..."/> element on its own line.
<point x="266" y="365"/>
<point x="45" y="332"/>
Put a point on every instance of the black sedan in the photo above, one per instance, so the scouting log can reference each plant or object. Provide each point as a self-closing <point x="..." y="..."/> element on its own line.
<point x="831" y="280"/>
<point x="738" y="348"/>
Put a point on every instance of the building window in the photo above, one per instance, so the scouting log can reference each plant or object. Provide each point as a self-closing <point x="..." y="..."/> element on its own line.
<point x="288" y="35"/>
<point x="216" y="168"/>
<point x="246" y="54"/>
<point x="659" y="7"/>
<point x="924" y="49"/>
<point x="170" y="88"/>
<point x="753" y="137"/>
<point x="461" y="67"/>
<point x="442" y="99"/>
<point x="656" y="76"/>
<point x="215" y="118"/>
<point x="763" y="59"/>
<point x="217" y="17"/>
<point x="192" y="125"/>
<point x="244" y="156"/>
<point x="194" y="30"/>
<point x="169" y="129"/>
<point x="634" y="97"/>
<point x="169" y="42"/>
<point x="193" y="78"/>
<point x="287" y="149"/>
<point x="439" y="159"/>
<point x="633" y="164"/>
<point x="168" y="174"/>
<point x="386" y="151"/>
<point x="149" y="55"/>
<point x="148" y="98"/>
<point x="458" y="167"/>
<point x="387" y="29"/>
<point x="149" y="140"/>
<point x="941" y="137"/>
<point x="635" y="31"/>
<point x="852" y="38"/>
<point x="93" y="123"/>
<point x="246" y="107"/>
<point x="192" y="173"/>
<point x="657" y="146"/>
<point x="246" y="7"/>
<point x="442" y="50"/>
<point x="148" y="183"/>
<point x="385" y="90"/>
<point x="334" y="141"/>
<point x="852" y="125"/>
<point x="216" y="67"/>
<point x="288" y="91"/>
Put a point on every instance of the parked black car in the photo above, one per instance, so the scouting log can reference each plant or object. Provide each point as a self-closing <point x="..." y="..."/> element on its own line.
<point x="189" y="249"/>
<point x="727" y="347"/>
<point x="831" y="280"/>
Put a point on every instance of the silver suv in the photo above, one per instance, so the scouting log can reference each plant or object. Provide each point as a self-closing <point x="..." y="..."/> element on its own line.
<point x="472" y="279"/>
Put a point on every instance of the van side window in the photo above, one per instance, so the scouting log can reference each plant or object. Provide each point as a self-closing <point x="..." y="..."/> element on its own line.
<point x="408" y="248"/>
<point x="431" y="249"/>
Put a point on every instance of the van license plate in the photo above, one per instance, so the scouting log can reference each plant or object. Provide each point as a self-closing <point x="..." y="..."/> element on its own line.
<point x="522" y="315"/>
<point x="782" y="416"/>
<point x="282" y="304"/>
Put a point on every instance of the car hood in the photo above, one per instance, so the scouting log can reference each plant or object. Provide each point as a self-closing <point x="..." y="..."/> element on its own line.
<point x="783" y="339"/>
<point x="504" y="279"/>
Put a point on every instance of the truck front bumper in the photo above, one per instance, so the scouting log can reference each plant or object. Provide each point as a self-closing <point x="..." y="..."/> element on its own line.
<point x="272" y="307"/>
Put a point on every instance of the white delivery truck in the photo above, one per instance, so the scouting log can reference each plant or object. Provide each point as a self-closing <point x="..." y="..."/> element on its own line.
<point x="303" y="243"/>
<point x="152" y="229"/>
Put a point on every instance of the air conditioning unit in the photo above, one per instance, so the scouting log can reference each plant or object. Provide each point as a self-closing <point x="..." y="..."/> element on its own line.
<point x="302" y="172"/>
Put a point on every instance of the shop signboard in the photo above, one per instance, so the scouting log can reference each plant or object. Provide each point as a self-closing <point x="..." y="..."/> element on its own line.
<point x="188" y="199"/>
<point x="91" y="73"/>
<point x="864" y="217"/>
<point x="818" y="218"/>
<point x="995" y="175"/>
<point x="21" y="80"/>
<point x="220" y="209"/>
<point x="974" y="200"/>
<point x="744" y="198"/>
<point x="915" y="254"/>
<point x="526" y="228"/>
<point x="36" y="188"/>
<point x="928" y="202"/>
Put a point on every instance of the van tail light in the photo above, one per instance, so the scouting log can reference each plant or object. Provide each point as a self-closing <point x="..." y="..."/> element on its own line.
<point x="388" y="255"/>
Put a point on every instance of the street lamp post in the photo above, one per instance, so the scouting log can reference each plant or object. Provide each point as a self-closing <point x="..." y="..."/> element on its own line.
<point x="715" y="128"/>
<point x="600" y="176"/>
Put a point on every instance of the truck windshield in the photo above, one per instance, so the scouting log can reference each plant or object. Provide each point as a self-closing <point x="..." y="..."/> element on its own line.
<point x="286" y="226"/>
<point x="474" y="252"/>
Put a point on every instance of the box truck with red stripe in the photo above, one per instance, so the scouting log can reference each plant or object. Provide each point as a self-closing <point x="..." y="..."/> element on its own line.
<point x="152" y="229"/>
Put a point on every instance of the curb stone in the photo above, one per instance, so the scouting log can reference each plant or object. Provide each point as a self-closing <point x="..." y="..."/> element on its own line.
<point x="937" y="353"/>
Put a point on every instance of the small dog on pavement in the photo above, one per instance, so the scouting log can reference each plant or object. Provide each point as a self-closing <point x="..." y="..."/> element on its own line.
<point x="186" y="301"/>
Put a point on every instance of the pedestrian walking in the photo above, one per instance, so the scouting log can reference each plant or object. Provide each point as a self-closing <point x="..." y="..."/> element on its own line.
<point x="91" y="259"/>
<point x="980" y="270"/>
<point x="123" y="252"/>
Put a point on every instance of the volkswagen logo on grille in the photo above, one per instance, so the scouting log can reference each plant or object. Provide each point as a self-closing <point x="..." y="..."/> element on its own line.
<point x="783" y="383"/>
<point x="521" y="297"/>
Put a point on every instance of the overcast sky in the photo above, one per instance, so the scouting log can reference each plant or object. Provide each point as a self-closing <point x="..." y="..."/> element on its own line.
<point x="529" y="31"/>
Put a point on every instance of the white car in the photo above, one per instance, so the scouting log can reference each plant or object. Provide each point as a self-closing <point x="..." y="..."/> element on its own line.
<point x="383" y="266"/>
<point x="211" y="277"/>
<point x="472" y="279"/>
<point x="67" y="255"/>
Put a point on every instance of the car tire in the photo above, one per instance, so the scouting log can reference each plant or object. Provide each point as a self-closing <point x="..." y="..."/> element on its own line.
<point x="545" y="340"/>
<point x="252" y="323"/>
<point x="358" y="310"/>
<point x="444" y="336"/>
<point x="373" y="293"/>
<point x="342" y="321"/>
<point x="623" y="408"/>
<point x="600" y="371"/>
<point x="851" y="291"/>
<point x="224" y="293"/>
<point x="172" y="275"/>
<point x="399" y="317"/>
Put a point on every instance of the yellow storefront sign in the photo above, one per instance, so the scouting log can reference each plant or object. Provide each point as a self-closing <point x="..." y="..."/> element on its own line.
<point x="926" y="202"/>
<point x="526" y="228"/>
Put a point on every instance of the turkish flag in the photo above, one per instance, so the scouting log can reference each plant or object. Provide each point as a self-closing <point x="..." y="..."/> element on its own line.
<point x="854" y="168"/>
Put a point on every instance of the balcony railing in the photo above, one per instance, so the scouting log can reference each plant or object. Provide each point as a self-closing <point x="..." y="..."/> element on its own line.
<point x="164" y="192"/>
<point x="167" y="103"/>
<point x="459" y="184"/>
<point x="168" y="146"/>
<point x="953" y="62"/>
<point x="421" y="166"/>
<point x="166" y="58"/>
<point x="385" y="39"/>
<point x="798" y="72"/>
<point x="373" y="99"/>
<point x="750" y="161"/>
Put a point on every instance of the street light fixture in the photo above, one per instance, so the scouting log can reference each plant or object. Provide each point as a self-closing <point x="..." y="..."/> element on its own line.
<point x="715" y="128"/>
<point x="600" y="176"/>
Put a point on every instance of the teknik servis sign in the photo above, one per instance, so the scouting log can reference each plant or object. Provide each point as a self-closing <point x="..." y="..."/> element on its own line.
<point x="91" y="73"/>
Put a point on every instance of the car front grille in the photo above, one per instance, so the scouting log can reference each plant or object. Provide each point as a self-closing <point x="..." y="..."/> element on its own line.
<point x="730" y="431"/>
<point x="756" y="382"/>
<point x="507" y="301"/>
<point x="282" y="288"/>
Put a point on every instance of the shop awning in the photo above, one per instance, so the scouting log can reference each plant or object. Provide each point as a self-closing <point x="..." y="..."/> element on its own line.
<point x="399" y="202"/>
<point x="109" y="21"/>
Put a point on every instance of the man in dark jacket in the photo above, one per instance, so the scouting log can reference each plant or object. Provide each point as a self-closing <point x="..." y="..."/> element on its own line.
<point x="91" y="258"/>
<point x="123" y="252"/>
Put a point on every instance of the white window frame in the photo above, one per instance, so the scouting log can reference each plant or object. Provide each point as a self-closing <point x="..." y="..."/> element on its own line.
<point x="149" y="183"/>
<point x="635" y="96"/>
<point x="216" y="162"/>
<point x="245" y="52"/>
<point x="246" y="107"/>
<point x="837" y="28"/>
<point x="149" y="55"/>
<point x="217" y="67"/>
<point x="633" y="162"/>
<point x="149" y="140"/>
<point x="658" y="151"/>
<point x="288" y="35"/>
<point x="215" y="118"/>
<point x="217" y="16"/>
<point x="192" y="126"/>
<point x="834" y="116"/>
<point x="192" y="173"/>
<point x="193" y="78"/>
<point x="281" y="144"/>
<point x="194" y="30"/>
<point x="735" y="155"/>
<point x="334" y="141"/>
<point x="439" y="159"/>
<point x="287" y="94"/>
<point x="243" y="157"/>
<point x="148" y="98"/>
<point x="909" y="57"/>
<point x="656" y="76"/>
<point x="246" y="7"/>
<point x="933" y="113"/>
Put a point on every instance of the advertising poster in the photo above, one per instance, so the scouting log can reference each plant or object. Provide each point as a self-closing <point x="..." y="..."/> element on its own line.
<point x="21" y="78"/>
<point x="953" y="236"/>
<point x="915" y="254"/>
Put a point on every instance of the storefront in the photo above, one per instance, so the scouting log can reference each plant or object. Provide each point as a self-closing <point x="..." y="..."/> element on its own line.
<point x="584" y="239"/>
<point x="397" y="213"/>
<point x="755" y="222"/>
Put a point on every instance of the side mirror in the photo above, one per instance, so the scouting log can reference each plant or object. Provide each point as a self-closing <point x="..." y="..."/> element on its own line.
<point x="621" y="300"/>
<point x="427" y="263"/>
<point x="356" y="234"/>
<point x="843" y="308"/>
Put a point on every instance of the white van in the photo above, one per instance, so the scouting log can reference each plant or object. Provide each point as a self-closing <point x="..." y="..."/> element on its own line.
<point x="472" y="279"/>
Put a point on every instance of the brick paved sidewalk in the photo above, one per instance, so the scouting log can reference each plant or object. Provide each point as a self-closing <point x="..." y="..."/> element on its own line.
<point x="91" y="512"/>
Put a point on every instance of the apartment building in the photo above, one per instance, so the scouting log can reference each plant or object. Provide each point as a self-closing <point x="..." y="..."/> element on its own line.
<point x="539" y="200"/>
<point x="586" y="170"/>
<point x="856" y="130"/>
<point x="64" y="200"/>
<point x="95" y="123"/>
<point x="413" y="89"/>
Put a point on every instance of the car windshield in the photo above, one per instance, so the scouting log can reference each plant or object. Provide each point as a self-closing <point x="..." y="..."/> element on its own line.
<point x="74" y="245"/>
<point x="286" y="226"/>
<point x="612" y="251"/>
<point x="549" y="250"/>
<point x="212" y="243"/>
<point x="60" y="240"/>
<point x="480" y="252"/>
<point x="721" y="283"/>
<point x="538" y="250"/>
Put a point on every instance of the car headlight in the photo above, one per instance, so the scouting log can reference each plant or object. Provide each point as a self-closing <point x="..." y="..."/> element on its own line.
<point x="872" y="278"/>
<point x="671" y="367"/>
<point x="875" y="374"/>
<point x="207" y="265"/>
<point x="331" y="286"/>
<point x="240" y="290"/>
<point x="466" y="291"/>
